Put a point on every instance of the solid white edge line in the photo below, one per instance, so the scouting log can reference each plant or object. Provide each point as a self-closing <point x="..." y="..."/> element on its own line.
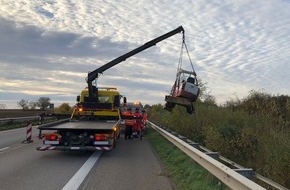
<point x="81" y="174"/>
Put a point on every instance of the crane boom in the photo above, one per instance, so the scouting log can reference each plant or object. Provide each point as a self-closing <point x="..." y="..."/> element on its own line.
<point x="95" y="74"/>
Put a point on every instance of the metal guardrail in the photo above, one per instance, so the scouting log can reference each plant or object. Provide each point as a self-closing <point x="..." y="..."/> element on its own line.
<point x="233" y="178"/>
<point x="18" y="119"/>
<point x="253" y="175"/>
<point x="270" y="182"/>
<point x="40" y="118"/>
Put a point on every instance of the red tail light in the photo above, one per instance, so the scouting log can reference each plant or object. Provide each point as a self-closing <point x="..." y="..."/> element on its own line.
<point x="100" y="137"/>
<point x="51" y="137"/>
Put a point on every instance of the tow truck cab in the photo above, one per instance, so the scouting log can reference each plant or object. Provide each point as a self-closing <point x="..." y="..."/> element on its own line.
<point x="106" y="105"/>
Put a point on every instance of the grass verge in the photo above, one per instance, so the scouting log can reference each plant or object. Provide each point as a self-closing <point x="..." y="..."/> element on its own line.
<point x="16" y="125"/>
<point x="185" y="173"/>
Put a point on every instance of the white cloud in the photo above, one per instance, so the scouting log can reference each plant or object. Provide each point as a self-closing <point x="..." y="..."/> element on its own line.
<point x="235" y="46"/>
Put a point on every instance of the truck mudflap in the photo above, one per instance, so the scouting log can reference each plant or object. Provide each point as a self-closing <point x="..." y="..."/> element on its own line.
<point x="88" y="148"/>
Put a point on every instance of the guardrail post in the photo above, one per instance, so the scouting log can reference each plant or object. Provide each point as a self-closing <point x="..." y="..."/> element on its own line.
<point x="195" y="145"/>
<point x="247" y="172"/>
<point x="214" y="155"/>
<point x="174" y="133"/>
<point x="182" y="137"/>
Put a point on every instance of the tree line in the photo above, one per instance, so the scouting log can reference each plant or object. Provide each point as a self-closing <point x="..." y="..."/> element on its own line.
<point x="42" y="103"/>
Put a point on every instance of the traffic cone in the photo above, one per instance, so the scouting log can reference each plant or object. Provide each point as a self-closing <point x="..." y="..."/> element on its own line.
<point x="28" y="133"/>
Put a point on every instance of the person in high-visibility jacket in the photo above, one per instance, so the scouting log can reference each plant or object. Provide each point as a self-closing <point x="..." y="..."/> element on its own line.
<point x="144" y="119"/>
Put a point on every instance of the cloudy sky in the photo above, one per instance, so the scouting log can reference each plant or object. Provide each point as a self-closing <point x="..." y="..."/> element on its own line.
<point x="48" y="47"/>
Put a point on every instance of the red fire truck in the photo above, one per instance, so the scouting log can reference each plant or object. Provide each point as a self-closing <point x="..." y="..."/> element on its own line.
<point x="133" y="120"/>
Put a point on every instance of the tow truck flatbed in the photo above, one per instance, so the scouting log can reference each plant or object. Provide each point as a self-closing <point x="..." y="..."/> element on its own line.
<point x="82" y="125"/>
<point x="80" y="135"/>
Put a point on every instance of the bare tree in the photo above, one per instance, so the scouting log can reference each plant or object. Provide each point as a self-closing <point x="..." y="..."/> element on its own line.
<point x="43" y="102"/>
<point x="23" y="104"/>
<point x="33" y="105"/>
<point x="2" y="106"/>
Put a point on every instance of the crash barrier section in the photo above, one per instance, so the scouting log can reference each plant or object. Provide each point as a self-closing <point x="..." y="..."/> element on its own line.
<point x="17" y="119"/>
<point x="233" y="178"/>
<point x="225" y="174"/>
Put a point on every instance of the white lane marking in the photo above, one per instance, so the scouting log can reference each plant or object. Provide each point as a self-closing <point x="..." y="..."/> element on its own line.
<point x="16" y="147"/>
<point x="2" y="151"/>
<point x="5" y="148"/>
<point x="81" y="174"/>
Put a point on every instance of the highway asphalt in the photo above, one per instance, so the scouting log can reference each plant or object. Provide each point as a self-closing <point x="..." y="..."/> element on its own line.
<point x="131" y="165"/>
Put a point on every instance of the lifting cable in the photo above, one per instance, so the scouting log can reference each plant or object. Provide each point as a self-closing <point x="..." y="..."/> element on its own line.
<point x="177" y="81"/>
<point x="188" y="55"/>
<point x="181" y="54"/>
<point x="190" y="61"/>
<point x="180" y="58"/>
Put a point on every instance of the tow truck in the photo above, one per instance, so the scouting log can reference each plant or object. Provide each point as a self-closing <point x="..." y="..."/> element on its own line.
<point x="95" y="121"/>
<point x="89" y="128"/>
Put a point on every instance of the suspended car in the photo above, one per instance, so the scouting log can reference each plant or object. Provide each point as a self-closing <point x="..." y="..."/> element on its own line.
<point x="185" y="90"/>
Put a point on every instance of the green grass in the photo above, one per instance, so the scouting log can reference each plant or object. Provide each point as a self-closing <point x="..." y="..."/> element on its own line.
<point x="4" y="127"/>
<point x="16" y="125"/>
<point x="185" y="173"/>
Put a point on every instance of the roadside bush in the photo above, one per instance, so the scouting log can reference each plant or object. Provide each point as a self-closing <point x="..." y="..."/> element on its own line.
<point x="254" y="132"/>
